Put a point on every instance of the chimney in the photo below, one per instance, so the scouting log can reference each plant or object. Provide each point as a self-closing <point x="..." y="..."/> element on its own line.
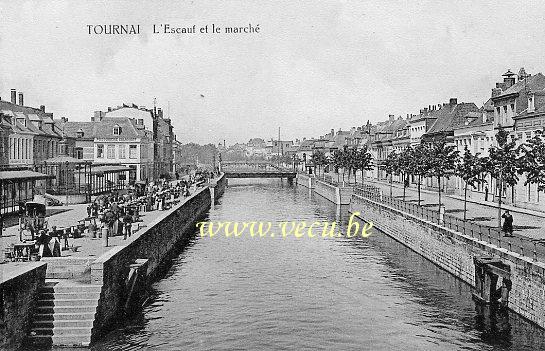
<point x="21" y="100"/>
<point x="14" y="96"/>
<point x="391" y="118"/>
<point x="508" y="78"/>
<point x="496" y="92"/>
<point x="160" y="112"/>
<point x="109" y="109"/>
<point x="64" y="119"/>
<point x="332" y="132"/>
<point x="42" y="107"/>
<point x="453" y="101"/>
<point x="425" y="110"/>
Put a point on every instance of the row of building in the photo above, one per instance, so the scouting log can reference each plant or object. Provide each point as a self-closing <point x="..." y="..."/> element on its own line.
<point x="517" y="104"/>
<point x="133" y="141"/>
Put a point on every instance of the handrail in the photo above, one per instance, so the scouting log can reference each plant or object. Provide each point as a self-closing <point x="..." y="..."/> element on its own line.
<point x="518" y="244"/>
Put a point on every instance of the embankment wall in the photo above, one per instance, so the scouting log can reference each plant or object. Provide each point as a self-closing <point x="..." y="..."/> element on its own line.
<point x="154" y="243"/>
<point x="454" y="252"/>
<point x="18" y="295"/>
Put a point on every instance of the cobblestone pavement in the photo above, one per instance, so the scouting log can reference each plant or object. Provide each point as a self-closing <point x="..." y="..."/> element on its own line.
<point x="87" y="246"/>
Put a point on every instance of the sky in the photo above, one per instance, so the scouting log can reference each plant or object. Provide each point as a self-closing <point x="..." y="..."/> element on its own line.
<point x="314" y="65"/>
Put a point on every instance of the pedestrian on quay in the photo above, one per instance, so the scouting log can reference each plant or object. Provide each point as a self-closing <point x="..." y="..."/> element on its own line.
<point x="507" y="224"/>
<point x="127" y="223"/>
<point x="486" y="193"/>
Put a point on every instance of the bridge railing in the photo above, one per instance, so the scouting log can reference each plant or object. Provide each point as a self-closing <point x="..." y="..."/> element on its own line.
<point x="517" y="244"/>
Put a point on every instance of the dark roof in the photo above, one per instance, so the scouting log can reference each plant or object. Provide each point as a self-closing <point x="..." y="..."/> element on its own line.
<point x="30" y="114"/>
<point x="103" y="128"/>
<point x="536" y="82"/>
<point x="450" y="116"/>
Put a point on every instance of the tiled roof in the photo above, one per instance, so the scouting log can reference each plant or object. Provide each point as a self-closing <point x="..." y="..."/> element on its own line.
<point x="30" y="114"/>
<point x="450" y="116"/>
<point x="103" y="128"/>
<point x="536" y="82"/>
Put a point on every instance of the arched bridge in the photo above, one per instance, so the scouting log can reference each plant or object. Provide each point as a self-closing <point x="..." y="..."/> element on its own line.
<point x="256" y="169"/>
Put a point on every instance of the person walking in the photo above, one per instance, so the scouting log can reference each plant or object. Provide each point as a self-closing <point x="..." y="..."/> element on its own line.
<point x="127" y="223"/>
<point x="507" y="223"/>
<point x="486" y="193"/>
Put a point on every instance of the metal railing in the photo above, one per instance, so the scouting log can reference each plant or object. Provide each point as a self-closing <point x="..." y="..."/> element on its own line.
<point x="518" y="244"/>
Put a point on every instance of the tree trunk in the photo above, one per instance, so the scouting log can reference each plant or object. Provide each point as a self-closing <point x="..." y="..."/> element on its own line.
<point x="439" y="191"/>
<point x="499" y="202"/>
<point x="419" y="181"/>
<point x="465" y="201"/>
<point x="391" y="180"/>
<point x="404" y="189"/>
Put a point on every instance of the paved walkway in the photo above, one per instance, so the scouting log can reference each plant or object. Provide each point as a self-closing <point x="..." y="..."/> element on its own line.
<point x="525" y="223"/>
<point x="87" y="246"/>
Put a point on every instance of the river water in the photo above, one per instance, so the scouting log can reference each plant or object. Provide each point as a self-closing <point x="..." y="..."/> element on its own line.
<point x="308" y="293"/>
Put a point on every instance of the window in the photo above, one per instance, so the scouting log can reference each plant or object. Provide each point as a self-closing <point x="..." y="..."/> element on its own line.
<point x="122" y="151"/>
<point x="132" y="151"/>
<point x="110" y="152"/>
<point x="79" y="153"/>
<point x="117" y="130"/>
<point x="100" y="151"/>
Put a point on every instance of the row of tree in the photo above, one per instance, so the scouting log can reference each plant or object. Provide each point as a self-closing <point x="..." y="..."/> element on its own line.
<point x="505" y="162"/>
<point x="350" y="160"/>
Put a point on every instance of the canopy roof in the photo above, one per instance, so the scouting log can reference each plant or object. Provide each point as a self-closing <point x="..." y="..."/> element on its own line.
<point x="23" y="175"/>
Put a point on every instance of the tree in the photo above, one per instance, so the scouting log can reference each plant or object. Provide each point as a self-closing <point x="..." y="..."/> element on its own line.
<point x="503" y="164"/>
<point x="319" y="159"/>
<point x="469" y="169"/>
<point x="390" y="166"/>
<point x="442" y="162"/>
<point x="421" y="166"/>
<point x="532" y="160"/>
<point x="363" y="161"/>
<point x="405" y="167"/>
<point x="337" y="160"/>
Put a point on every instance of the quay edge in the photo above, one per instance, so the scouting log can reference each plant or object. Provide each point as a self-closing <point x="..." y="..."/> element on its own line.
<point x="450" y="250"/>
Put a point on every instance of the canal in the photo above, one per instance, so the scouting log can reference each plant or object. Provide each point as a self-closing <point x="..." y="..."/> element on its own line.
<point x="251" y="293"/>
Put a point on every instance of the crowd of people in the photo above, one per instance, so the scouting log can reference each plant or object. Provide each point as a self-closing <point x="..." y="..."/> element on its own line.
<point x="115" y="213"/>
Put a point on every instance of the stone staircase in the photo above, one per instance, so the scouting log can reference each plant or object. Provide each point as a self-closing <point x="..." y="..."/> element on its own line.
<point x="64" y="314"/>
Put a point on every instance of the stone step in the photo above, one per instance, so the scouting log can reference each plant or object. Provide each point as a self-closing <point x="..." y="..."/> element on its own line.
<point x="69" y="295"/>
<point x="68" y="302"/>
<point x="66" y="309"/>
<point x="63" y="323"/>
<point x="65" y="340"/>
<point x="61" y="331"/>
<point x="65" y="288"/>
<point x="50" y="316"/>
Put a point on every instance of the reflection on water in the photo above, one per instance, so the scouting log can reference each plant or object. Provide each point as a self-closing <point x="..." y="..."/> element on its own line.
<point x="331" y="294"/>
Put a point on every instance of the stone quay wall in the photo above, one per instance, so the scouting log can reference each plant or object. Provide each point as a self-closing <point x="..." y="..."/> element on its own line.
<point x="217" y="187"/>
<point x="18" y="296"/>
<point x="306" y="180"/>
<point x="340" y="195"/>
<point x="155" y="244"/>
<point x="454" y="252"/>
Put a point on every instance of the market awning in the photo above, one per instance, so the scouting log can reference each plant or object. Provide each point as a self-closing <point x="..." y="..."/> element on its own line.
<point x="23" y="175"/>
<point x="109" y="169"/>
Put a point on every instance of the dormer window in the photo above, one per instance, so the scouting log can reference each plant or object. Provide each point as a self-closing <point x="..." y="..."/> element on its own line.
<point x="531" y="106"/>
<point x="80" y="133"/>
<point x="117" y="130"/>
